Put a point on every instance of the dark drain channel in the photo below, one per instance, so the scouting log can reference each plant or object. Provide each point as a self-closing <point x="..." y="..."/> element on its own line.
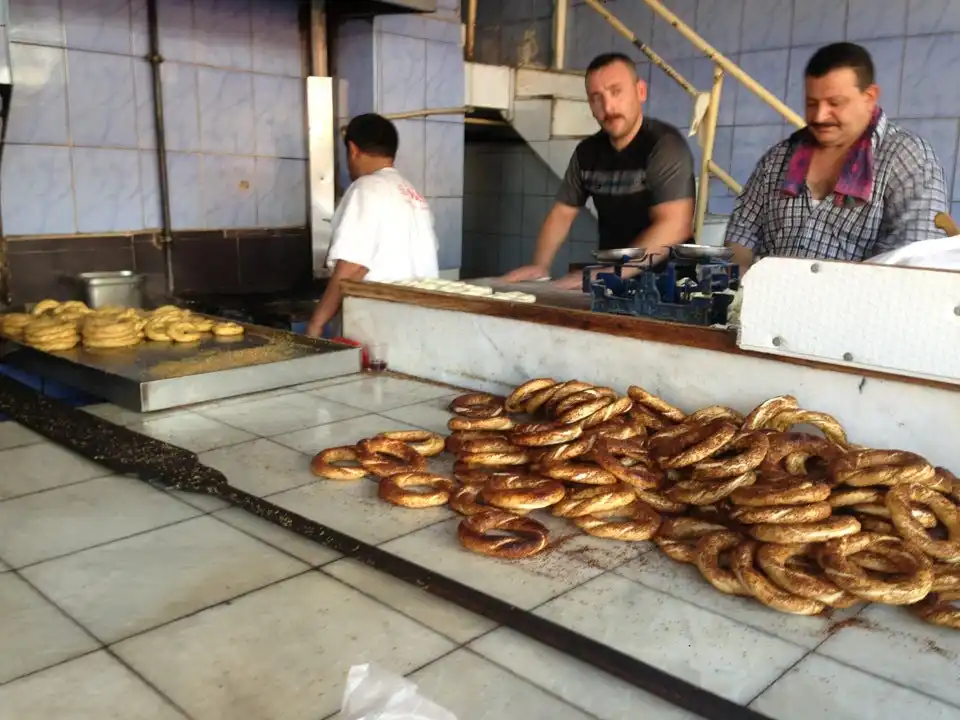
<point x="125" y="452"/>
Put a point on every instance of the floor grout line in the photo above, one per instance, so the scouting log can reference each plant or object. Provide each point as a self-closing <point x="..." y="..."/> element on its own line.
<point x="149" y="683"/>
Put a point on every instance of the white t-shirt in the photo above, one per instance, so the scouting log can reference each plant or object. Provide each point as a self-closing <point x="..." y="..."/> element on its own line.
<point x="384" y="224"/>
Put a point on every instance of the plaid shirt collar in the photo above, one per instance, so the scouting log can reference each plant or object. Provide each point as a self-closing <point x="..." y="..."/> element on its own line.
<point x="855" y="183"/>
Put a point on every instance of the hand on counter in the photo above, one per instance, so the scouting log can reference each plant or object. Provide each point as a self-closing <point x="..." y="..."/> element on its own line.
<point x="527" y="273"/>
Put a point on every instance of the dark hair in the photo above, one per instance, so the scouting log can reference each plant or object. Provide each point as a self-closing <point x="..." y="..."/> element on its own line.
<point x="842" y="55"/>
<point x="373" y="134"/>
<point x="602" y="61"/>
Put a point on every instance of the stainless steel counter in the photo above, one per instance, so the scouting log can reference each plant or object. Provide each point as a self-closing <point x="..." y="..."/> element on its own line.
<point x="157" y="376"/>
<point x="545" y="293"/>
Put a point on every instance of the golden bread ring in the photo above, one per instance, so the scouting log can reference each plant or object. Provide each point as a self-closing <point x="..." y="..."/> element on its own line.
<point x="559" y="407"/>
<point x="763" y="589"/>
<point x="946" y="578"/>
<point x="515" y="400"/>
<point x="647" y="418"/>
<point x="898" y="590"/>
<point x="924" y="517"/>
<point x="617" y="409"/>
<point x="761" y="415"/>
<point x="565" y="452"/>
<point x="466" y="500"/>
<point x="744" y="453"/>
<point x="659" y="406"/>
<point x="489" y="444"/>
<point x="456" y="440"/>
<point x="61" y="345"/>
<point x="398" y="490"/>
<point x="901" y="499"/>
<point x="709" y="492"/>
<point x="495" y="459"/>
<point x="156" y="330"/>
<point x="545" y="434"/>
<point x="325" y="464"/>
<point x="643" y="475"/>
<point x="72" y="306"/>
<point x="836" y="526"/>
<point x="477" y="405"/>
<point x="182" y="332"/>
<point x="522" y="493"/>
<point x="576" y="472"/>
<point x="865" y="468"/>
<point x="635" y="522"/>
<point x="549" y="399"/>
<point x="786" y="514"/>
<point x="426" y="443"/>
<point x="384" y="457"/>
<point x="205" y="325"/>
<point x="939" y="609"/>
<point x="783" y="445"/>
<point x="707" y="560"/>
<point x="871" y="523"/>
<point x="592" y="500"/>
<point x="785" y="491"/>
<point x="620" y="428"/>
<point x="518" y="537"/>
<point x="659" y="501"/>
<point x="499" y="423"/>
<point x="581" y="412"/>
<point x="694" y="445"/>
<point x="677" y="537"/>
<point x="221" y="329"/>
<point x="845" y="497"/>
<point x="827" y="424"/>
<point x="478" y="475"/>
<point x="45" y="306"/>
<point x="714" y="412"/>
<point x="775" y="561"/>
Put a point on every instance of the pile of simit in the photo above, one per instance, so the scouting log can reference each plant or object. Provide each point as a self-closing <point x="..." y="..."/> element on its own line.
<point x="798" y="521"/>
<point x="53" y="326"/>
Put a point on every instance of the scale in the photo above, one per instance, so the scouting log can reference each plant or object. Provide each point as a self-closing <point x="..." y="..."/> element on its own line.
<point x="695" y="285"/>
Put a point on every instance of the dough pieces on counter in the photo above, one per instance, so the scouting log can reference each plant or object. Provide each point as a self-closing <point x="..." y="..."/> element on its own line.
<point x="456" y="287"/>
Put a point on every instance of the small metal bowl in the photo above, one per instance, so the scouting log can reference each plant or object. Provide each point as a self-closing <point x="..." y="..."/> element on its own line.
<point x="698" y="252"/>
<point x="618" y="254"/>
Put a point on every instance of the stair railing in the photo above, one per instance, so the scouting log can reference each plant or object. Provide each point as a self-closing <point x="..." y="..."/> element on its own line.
<point x="706" y="103"/>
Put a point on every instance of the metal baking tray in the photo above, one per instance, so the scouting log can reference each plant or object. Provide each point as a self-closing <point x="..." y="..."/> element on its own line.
<point x="157" y="376"/>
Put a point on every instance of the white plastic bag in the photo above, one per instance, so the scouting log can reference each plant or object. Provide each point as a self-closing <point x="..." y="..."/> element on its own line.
<point x="936" y="254"/>
<point x="373" y="693"/>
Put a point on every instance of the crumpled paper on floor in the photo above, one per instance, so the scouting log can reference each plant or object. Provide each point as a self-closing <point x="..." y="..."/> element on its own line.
<point x="373" y="693"/>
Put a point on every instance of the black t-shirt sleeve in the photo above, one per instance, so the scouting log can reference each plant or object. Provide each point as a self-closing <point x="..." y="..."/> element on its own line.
<point x="571" y="190"/>
<point x="670" y="170"/>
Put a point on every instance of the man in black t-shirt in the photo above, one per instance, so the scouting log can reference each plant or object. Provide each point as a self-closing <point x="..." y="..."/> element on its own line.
<point x="639" y="172"/>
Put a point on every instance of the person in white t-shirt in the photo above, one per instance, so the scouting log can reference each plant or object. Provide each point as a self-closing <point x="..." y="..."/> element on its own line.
<point x="383" y="228"/>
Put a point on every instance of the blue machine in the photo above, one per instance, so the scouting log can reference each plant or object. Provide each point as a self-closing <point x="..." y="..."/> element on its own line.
<point x="694" y="286"/>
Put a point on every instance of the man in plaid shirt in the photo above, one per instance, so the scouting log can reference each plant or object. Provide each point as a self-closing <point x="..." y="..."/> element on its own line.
<point x="850" y="185"/>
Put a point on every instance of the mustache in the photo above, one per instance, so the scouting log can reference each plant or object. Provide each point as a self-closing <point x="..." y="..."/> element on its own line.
<point x="608" y="118"/>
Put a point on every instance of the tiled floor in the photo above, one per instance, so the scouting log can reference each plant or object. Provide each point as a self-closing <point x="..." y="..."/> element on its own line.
<point x="118" y="600"/>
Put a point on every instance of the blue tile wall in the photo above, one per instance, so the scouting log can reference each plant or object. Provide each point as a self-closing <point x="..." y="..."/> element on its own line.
<point x="407" y="63"/>
<point x="915" y="45"/>
<point x="81" y="154"/>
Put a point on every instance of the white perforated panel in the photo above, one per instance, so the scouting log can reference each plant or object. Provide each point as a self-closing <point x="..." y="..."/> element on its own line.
<point x="892" y="319"/>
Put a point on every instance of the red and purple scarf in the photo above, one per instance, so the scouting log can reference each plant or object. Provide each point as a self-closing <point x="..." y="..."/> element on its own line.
<point x="856" y="177"/>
